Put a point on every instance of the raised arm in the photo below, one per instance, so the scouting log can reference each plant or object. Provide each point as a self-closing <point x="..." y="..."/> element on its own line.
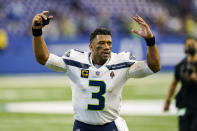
<point x="39" y="46"/>
<point x="153" y="58"/>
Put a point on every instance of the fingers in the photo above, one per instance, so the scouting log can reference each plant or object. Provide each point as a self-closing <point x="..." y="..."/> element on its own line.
<point x="38" y="19"/>
<point x="139" y="20"/>
<point x="136" y="31"/>
<point x="45" y="12"/>
<point x="43" y="16"/>
<point x="50" y="17"/>
<point x="145" y="31"/>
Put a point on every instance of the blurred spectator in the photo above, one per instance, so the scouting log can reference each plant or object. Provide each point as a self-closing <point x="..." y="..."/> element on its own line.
<point x="68" y="27"/>
<point x="104" y="18"/>
<point x="190" y="25"/>
<point x="185" y="73"/>
<point x="3" y="40"/>
<point x="80" y="17"/>
<point x="175" y="24"/>
<point x="16" y="15"/>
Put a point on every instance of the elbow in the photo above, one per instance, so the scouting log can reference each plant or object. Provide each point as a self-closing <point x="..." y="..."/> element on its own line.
<point x="42" y="60"/>
<point x="155" y="68"/>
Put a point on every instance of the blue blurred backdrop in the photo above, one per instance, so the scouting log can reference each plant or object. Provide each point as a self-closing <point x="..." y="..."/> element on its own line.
<point x="170" y="20"/>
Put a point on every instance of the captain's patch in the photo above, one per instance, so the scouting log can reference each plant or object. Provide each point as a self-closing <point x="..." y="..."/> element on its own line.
<point x="84" y="73"/>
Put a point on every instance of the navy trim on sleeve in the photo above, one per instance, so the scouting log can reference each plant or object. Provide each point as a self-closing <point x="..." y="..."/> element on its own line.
<point x="120" y="65"/>
<point x="76" y="64"/>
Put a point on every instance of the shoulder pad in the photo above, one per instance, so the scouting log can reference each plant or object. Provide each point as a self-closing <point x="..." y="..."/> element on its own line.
<point x="73" y="52"/>
<point x="126" y="56"/>
<point x="121" y="57"/>
<point x="76" y="55"/>
<point x="67" y="53"/>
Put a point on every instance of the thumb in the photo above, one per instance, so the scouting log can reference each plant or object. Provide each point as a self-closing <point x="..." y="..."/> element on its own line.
<point x="50" y="17"/>
<point x="136" y="32"/>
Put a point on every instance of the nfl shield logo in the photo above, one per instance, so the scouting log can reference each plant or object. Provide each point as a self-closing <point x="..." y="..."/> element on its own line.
<point x="97" y="73"/>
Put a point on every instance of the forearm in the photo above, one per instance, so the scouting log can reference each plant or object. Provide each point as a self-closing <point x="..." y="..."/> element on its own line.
<point x="170" y="93"/>
<point x="39" y="46"/>
<point x="171" y="90"/>
<point x="40" y="50"/>
<point x="153" y="58"/>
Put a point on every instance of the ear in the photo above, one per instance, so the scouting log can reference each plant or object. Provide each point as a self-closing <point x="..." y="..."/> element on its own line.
<point x="90" y="47"/>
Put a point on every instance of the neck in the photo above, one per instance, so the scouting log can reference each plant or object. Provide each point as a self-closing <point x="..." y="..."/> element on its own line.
<point x="96" y="60"/>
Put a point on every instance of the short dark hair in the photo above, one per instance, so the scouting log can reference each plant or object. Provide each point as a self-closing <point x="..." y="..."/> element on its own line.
<point x="99" y="31"/>
<point x="188" y="38"/>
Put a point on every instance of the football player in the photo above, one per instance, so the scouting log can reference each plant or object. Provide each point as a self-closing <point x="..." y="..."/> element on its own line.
<point x="97" y="77"/>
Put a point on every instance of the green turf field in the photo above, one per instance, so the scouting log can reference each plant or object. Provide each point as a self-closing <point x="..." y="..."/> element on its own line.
<point x="62" y="122"/>
<point x="44" y="88"/>
<point x="55" y="88"/>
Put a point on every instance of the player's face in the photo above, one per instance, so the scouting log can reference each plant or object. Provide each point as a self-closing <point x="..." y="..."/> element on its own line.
<point x="101" y="48"/>
<point x="190" y="43"/>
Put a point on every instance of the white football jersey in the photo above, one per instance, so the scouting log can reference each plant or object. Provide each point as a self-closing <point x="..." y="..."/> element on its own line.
<point x="96" y="92"/>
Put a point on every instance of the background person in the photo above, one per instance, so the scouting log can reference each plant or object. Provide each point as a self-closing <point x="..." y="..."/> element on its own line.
<point x="186" y="73"/>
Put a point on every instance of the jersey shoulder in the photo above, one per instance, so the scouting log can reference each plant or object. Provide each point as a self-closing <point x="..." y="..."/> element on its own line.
<point x="123" y="57"/>
<point x="120" y="61"/>
<point x="76" y="55"/>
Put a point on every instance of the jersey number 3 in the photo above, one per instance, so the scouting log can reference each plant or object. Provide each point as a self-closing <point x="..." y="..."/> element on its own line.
<point x="98" y="95"/>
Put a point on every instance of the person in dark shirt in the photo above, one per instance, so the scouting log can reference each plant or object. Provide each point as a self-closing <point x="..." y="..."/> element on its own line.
<point x="186" y="98"/>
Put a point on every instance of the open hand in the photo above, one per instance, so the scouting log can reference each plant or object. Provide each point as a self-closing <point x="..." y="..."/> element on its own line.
<point x="144" y="31"/>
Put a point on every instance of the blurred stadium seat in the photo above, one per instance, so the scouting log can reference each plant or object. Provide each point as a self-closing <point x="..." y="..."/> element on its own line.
<point x="75" y="19"/>
<point x="17" y="14"/>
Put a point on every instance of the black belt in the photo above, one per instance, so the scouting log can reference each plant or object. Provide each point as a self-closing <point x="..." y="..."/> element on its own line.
<point x="89" y="125"/>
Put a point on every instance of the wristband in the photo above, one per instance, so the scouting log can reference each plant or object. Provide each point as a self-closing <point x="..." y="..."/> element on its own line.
<point x="150" y="41"/>
<point x="36" y="32"/>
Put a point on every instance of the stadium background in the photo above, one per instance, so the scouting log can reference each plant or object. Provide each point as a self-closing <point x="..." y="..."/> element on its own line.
<point x="24" y="80"/>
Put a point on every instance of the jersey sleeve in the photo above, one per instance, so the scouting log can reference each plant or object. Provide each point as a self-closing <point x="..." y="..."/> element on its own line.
<point x="56" y="63"/>
<point x="139" y="69"/>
